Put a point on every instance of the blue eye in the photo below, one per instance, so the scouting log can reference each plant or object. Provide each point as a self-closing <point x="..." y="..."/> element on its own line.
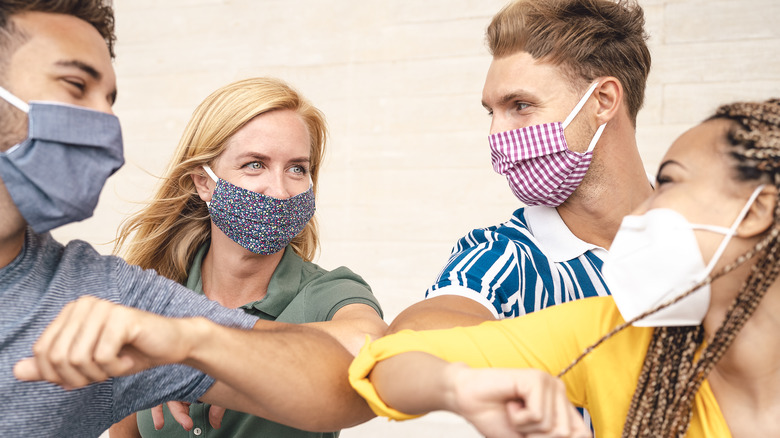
<point x="521" y="106"/>
<point x="300" y="170"/>
<point x="254" y="165"/>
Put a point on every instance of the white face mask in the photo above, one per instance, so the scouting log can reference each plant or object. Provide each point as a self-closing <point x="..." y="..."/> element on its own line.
<point x="655" y="258"/>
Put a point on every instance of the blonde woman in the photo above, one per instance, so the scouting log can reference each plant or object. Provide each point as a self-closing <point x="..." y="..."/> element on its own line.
<point x="686" y="345"/>
<point x="234" y="220"/>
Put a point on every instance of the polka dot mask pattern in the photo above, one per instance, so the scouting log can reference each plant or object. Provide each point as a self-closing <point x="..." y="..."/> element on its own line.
<point x="262" y="224"/>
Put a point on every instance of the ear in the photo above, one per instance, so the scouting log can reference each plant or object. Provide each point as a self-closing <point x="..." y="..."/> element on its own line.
<point x="203" y="184"/>
<point x="761" y="214"/>
<point x="609" y="94"/>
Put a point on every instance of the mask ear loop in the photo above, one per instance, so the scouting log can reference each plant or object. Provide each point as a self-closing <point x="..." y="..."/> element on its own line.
<point x="213" y="176"/>
<point x="732" y="230"/>
<point x="576" y="111"/>
<point x="210" y="172"/>
<point x="13" y="100"/>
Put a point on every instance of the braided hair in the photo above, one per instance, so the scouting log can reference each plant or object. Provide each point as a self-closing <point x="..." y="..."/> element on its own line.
<point x="671" y="375"/>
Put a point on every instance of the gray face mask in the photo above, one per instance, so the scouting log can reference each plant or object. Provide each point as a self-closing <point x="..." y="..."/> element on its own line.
<point x="55" y="175"/>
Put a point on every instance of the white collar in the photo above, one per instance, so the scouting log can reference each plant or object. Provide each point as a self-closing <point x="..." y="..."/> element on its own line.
<point x="555" y="239"/>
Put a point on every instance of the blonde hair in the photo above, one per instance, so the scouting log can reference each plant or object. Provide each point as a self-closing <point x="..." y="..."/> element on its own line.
<point x="167" y="232"/>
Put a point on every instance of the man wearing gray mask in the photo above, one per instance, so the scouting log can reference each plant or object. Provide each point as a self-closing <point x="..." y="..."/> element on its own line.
<point x="59" y="141"/>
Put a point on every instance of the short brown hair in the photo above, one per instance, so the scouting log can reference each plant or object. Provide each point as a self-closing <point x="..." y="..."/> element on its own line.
<point x="587" y="38"/>
<point x="94" y="12"/>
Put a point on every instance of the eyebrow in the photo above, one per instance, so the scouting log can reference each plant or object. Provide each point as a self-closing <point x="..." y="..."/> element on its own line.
<point x="664" y="164"/>
<point x="83" y="66"/>
<point x="255" y="155"/>
<point x="514" y="95"/>
<point x="89" y="70"/>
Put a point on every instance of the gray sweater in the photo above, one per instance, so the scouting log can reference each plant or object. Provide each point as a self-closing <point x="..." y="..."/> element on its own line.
<point x="33" y="289"/>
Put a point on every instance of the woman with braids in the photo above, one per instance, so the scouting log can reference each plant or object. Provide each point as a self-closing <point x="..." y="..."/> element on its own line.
<point x="233" y="220"/>
<point x="686" y="346"/>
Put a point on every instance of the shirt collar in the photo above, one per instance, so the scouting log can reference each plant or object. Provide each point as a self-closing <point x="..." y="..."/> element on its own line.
<point x="555" y="239"/>
<point x="282" y="289"/>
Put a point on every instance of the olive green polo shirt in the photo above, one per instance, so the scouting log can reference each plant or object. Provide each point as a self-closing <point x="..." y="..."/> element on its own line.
<point x="299" y="292"/>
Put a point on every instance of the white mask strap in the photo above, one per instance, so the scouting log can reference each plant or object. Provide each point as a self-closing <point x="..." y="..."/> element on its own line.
<point x="13" y="100"/>
<point x="212" y="175"/>
<point x="733" y="229"/>
<point x="579" y="106"/>
<point x="596" y="137"/>
<point x="210" y="172"/>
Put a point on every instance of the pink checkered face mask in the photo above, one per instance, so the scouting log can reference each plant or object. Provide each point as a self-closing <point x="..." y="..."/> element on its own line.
<point x="537" y="162"/>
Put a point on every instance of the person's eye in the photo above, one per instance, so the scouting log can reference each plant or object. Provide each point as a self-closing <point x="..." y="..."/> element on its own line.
<point x="520" y="106"/>
<point x="254" y="165"/>
<point x="662" y="179"/>
<point x="299" y="170"/>
<point x="490" y="113"/>
<point x="75" y="83"/>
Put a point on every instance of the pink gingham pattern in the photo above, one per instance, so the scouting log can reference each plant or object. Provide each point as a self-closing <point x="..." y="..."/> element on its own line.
<point x="537" y="162"/>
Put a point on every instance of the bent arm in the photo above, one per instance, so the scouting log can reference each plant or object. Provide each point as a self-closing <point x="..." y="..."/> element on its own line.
<point x="351" y="324"/>
<point x="305" y="362"/>
<point x="498" y="402"/>
<point x="441" y="312"/>
<point x="115" y="340"/>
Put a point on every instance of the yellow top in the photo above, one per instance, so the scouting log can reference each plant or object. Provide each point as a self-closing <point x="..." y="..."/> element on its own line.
<point x="548" y="340"/>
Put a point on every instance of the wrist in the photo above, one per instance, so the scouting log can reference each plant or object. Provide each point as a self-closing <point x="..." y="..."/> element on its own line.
<point x="196" y="335"/>
<point x="452" y="375"/>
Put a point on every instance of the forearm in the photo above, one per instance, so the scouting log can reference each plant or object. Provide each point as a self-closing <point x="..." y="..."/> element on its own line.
<point x="415" y="383"/>
<point x="441" y="312"/>
<point x="289" y="374"/>
<point x="126" y="428"/>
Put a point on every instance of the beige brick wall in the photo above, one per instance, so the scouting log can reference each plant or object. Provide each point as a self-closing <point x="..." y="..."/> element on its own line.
<point x="400" y="81"/>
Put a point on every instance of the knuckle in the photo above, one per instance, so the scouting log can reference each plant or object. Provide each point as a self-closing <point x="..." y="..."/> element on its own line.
<point x="56" y="356"/>
<point x="39" y="349"/>
<point x="77" y="361"/>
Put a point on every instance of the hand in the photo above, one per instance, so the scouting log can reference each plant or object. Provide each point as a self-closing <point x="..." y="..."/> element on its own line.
<point x="93" y="339"/>
<point x="513" y="403"/>
<point x="181" y="413"/>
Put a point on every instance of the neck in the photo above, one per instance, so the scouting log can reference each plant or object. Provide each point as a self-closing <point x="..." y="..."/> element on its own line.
<point x="234" y="276"/>
<point x="10" y="247"/>
<point x="12" y="228"/>
<point x="751" y="365"/>
<point x="615" y="185"/>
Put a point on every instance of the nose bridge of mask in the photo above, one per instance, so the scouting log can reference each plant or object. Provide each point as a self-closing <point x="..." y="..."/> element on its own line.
<point x="729" y="232"/>
<point x="13" y="100"/>
<point x="576" y="111"/>
<point x="216" y="179"/>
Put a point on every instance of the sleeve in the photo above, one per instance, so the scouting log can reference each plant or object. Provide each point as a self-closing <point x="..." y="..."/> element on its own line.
<point x="146" y="290"/>
<point x="340" y="287"/>
<point x="501" y="271"/>
<point x="149" y="291"/>
<point x="548" y="340"/>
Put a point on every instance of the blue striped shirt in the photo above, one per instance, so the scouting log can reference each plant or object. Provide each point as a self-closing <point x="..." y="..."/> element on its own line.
<point x="530" y="262"/>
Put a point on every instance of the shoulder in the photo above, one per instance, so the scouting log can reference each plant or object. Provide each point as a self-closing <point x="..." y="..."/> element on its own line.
<point x="514" y="231"/>
<point x="315" y="275"/>
<point x="79" y="262"/>
<point x="333" y="289"/>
